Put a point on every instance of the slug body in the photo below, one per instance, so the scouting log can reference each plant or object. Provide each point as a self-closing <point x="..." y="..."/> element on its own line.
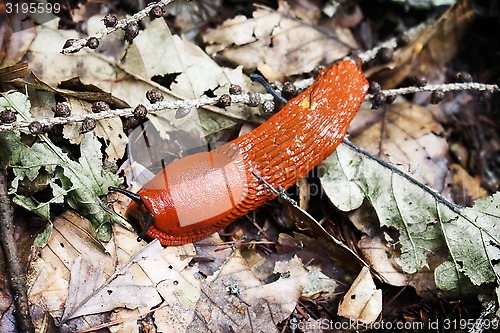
<point x="198" y="195"/>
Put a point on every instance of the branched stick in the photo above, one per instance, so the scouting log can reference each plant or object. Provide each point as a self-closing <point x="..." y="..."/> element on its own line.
<point x="443" y="87"/>
<point x="154" y="108"/>
<point x="78" y="44"/>
<point x="16" y="275"/>
<point x="243" y="98"/>
<point x="390" y="43"/>
<point x="372" y="53"/>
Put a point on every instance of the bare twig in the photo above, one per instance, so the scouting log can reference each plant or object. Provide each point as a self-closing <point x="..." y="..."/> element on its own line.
<point x="78" y="44"/>
<point x="484" y="322"/>
<point x="443" y="87"/>
<point x="16" y="275"/>
<point x="454" y="207"/>
<point x="391" y="43"/>
<point x="127" y="112"/>
<point x="243" y="98"/>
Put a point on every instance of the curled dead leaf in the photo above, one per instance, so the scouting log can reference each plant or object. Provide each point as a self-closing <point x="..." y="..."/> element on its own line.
<point x="363" y="301"/>
<point x="277" y="45"/>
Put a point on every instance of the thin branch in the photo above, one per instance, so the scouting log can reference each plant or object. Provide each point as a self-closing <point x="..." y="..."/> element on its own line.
<point x="454" y="207"/>
<point x="243" y="99"/>
<point x="391" y="43"/>
<point x="17" y="277"/>
<point x="127" y="112"/>
<point x="443" y="87"/>
<point x="78" y="44"/>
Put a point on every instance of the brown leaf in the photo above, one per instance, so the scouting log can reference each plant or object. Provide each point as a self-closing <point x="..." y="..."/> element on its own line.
<point x="363" y="301"/>
<point x="78" y="282"/>
<point x="277" y="45"/>
<point x="16" y="71"/>
<point x="375" y="252"/>
<point x="16" y="34"/>
<point x="465" y="189"/>
<point x="429" y="50"/>
<point x="407" y="136"/>
<point x="305" y="10"/>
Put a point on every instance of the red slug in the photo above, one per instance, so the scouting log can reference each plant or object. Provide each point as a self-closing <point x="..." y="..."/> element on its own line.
<point x="200" y="194"/>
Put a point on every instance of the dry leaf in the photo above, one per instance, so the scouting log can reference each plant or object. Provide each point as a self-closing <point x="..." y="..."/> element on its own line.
<point x="191" y="16"/>
<point x="7" y="320"/>
<point x="407" y="136"/>
<point x="52" y="67"/>
<point x="235" y="299"/>
<point x="71" y="276"/>
<point x="187" y="72"/>
<point x="375" y="251"/>
<point x="17" y="71"/>
<point x="363" y="301"/>
<point x="466" y="189"/>
<point x="277" y="45"/>
<point x="50" y="274"/>
<point x="78" y="282"/>
<point x="307" y="11"/>
<point x="16" y="34"/>
<point x="429" y="50"/>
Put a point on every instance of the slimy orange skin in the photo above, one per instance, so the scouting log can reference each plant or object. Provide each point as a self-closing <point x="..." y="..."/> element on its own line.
<point x="200" y="194"/>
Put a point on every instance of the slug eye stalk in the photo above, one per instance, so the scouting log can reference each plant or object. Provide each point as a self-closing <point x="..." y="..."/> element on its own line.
<point x="137" y="199"/>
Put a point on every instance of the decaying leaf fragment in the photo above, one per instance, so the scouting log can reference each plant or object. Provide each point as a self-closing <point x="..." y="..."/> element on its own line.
<point x="277" y="45"/>
<point x="185" y="71"/>
<point x="363" y="301"/>
<point x="78" y="183"/>
<point x="80" y="282"/>
<point x="426" y="222"/>
<point x="235" y="297"/>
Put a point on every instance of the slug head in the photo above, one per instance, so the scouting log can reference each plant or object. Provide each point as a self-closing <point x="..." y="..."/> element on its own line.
<point x="137" y="212"/>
